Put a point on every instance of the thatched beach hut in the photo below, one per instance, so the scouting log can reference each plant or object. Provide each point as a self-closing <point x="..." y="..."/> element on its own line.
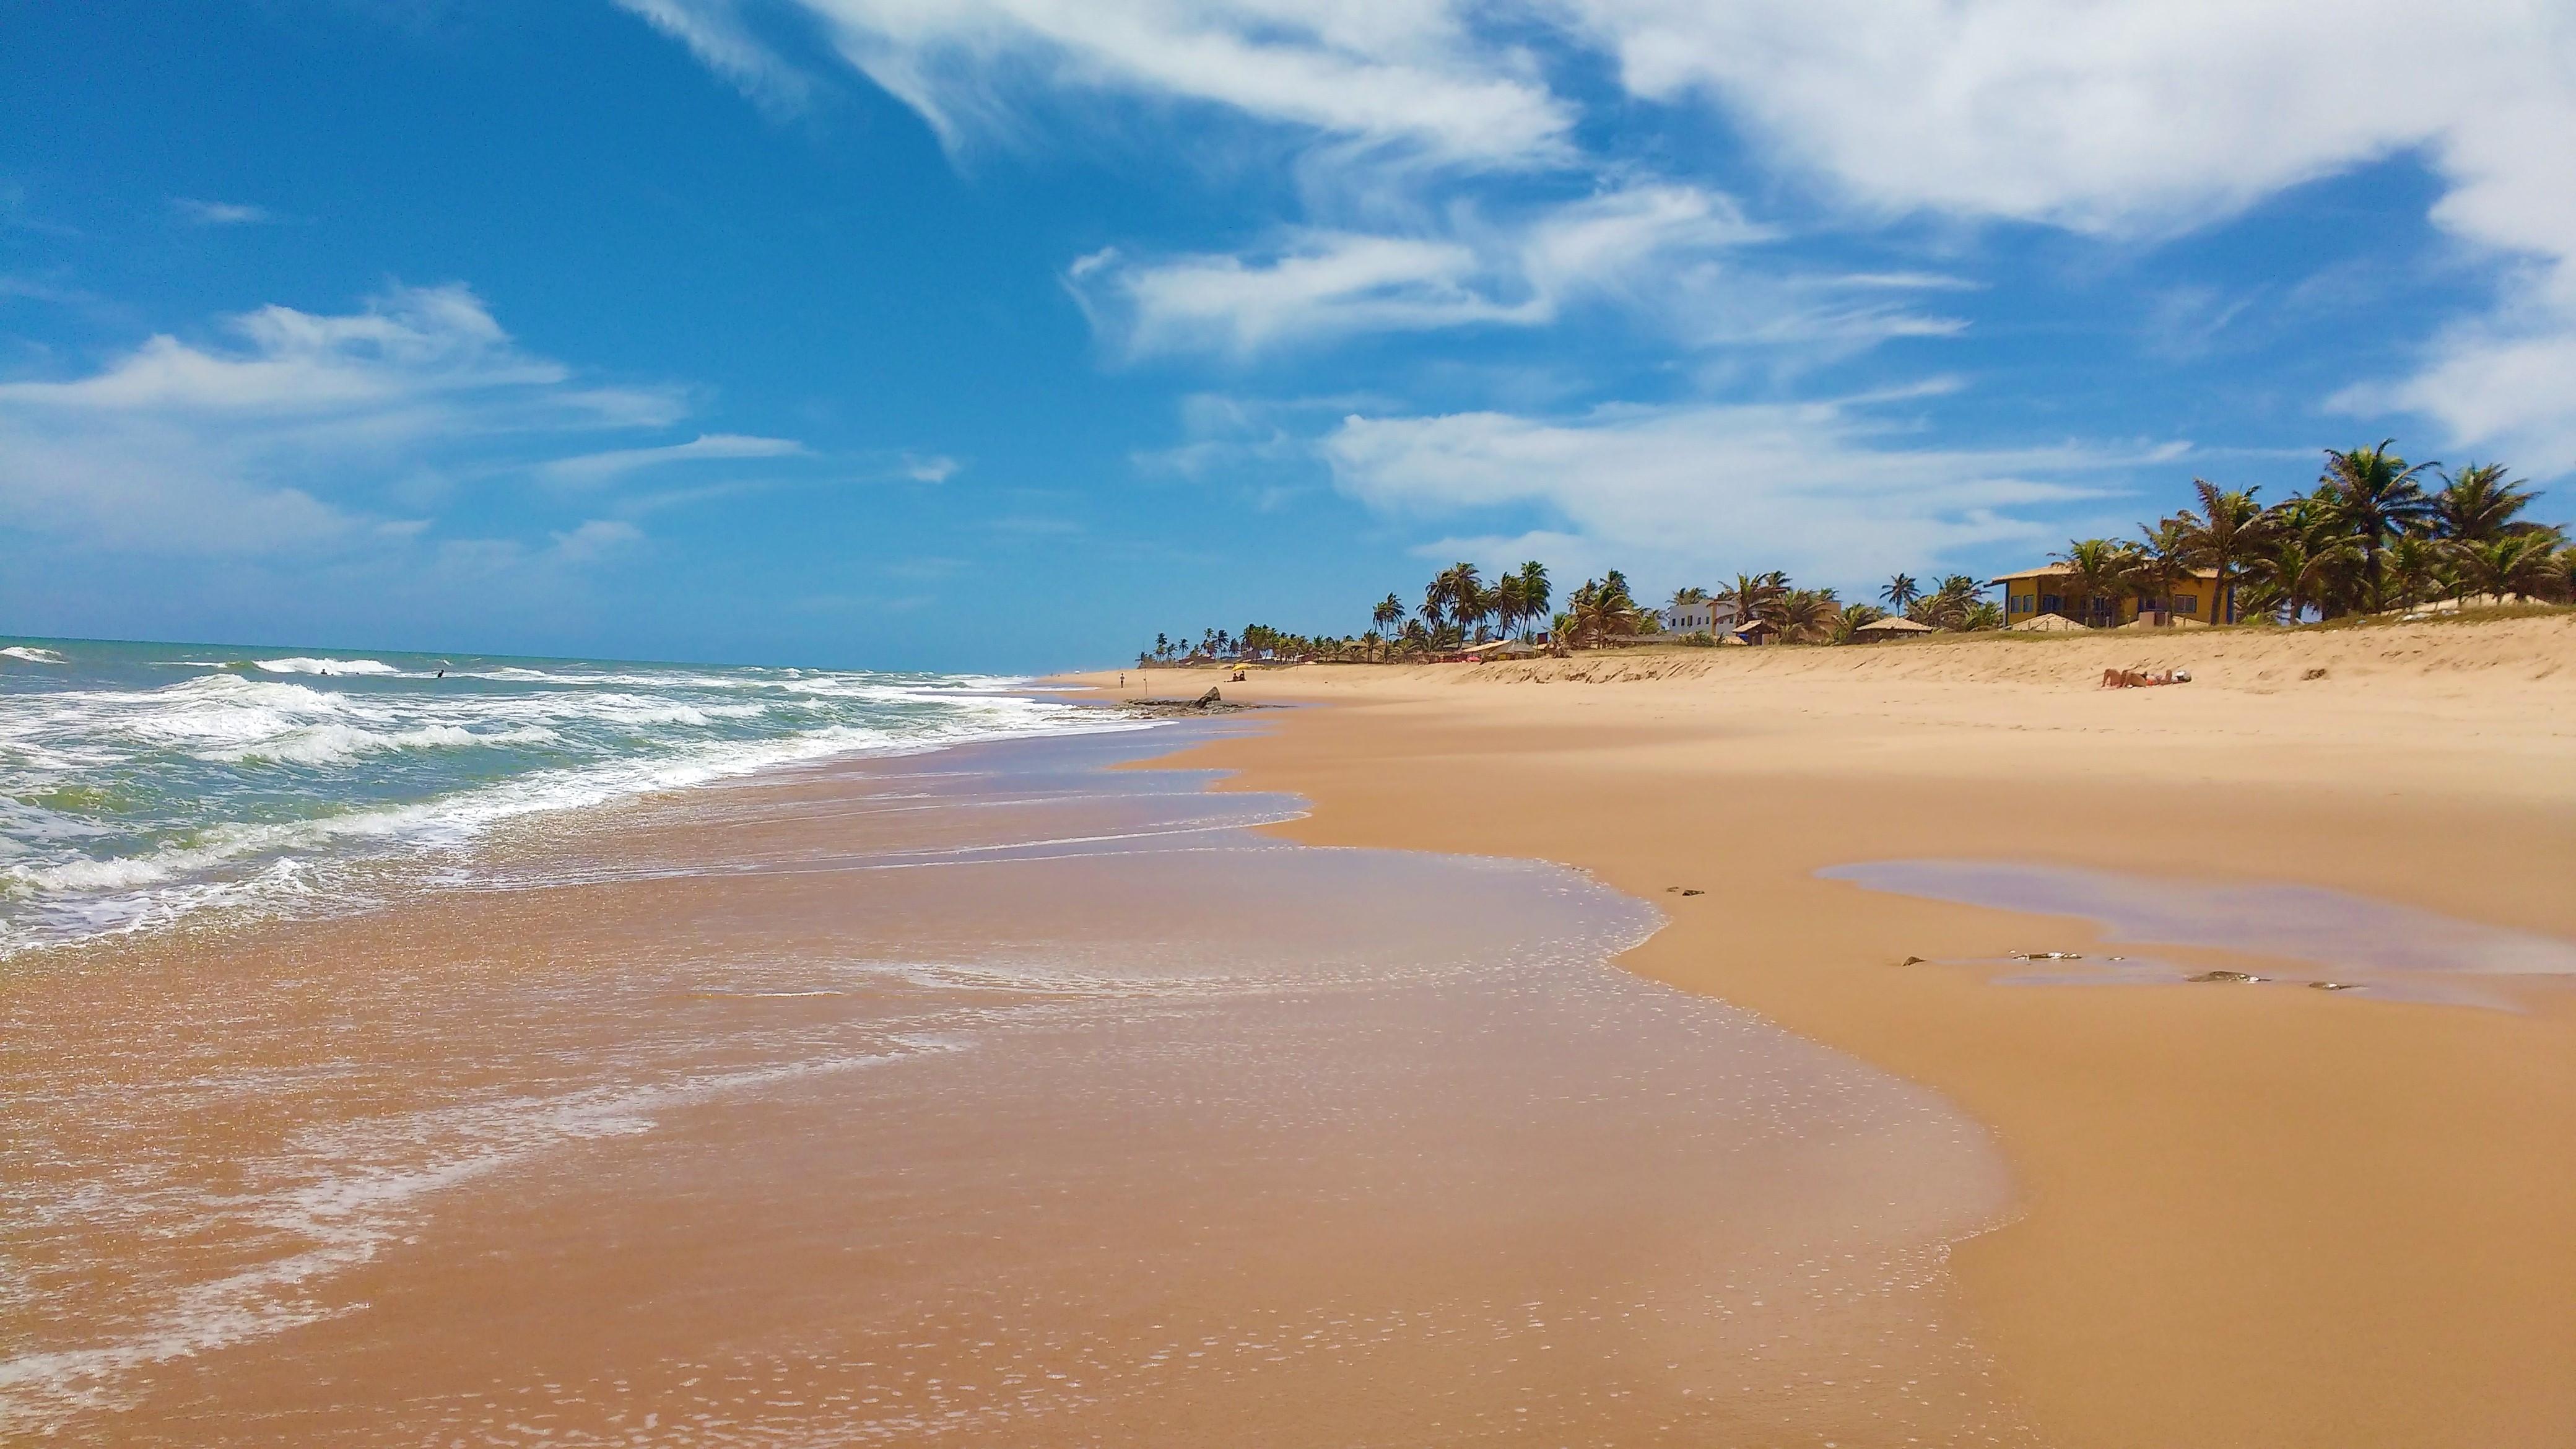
<point x="1892" y="627"/>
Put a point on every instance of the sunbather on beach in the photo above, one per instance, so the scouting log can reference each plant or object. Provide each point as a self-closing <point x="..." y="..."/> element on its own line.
<point x="2143" y="678"/>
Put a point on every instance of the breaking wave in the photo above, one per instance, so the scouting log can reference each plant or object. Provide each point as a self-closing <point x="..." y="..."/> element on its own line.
<point x="140" y="785"/>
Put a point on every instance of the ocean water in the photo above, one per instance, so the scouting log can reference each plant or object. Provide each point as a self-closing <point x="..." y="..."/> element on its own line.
<point x="143" y="784"/>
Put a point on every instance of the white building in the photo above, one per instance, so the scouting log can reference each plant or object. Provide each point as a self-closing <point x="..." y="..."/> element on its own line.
<point x="1705" y="617"/>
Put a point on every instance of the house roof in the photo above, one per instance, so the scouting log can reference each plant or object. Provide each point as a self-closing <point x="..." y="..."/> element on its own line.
<point x="1895" y="624"/>
<point x="2061" y="571"/>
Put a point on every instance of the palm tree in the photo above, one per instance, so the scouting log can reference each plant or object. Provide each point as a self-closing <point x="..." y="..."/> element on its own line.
<point x="1510" y="603"/>
<point x="1900" y="592"/>
<point x="2477" y="504"/>
<point x="2513" y="563"/>
<point x="1807" y="614"/>
<point x="2098" y="572"/>
<point x="1455" y="590"/>
<point x="1853" y="616"/>
<point x="2302" y="568"/>
<point x="1948" y="605"/>
<point x="1754" y="596"/>
<point x="2229" y="527"/>
<point x="2376" y="496"/>
<point x="2414" y="567"/>
<point x="1534" y="597"/>
<point x="1601" y="610"/>
<point x="2162" y="552"/>
<point x="1388" y="613"/>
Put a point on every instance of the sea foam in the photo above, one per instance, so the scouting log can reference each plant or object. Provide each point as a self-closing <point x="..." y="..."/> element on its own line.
<point x="130" y="799"/>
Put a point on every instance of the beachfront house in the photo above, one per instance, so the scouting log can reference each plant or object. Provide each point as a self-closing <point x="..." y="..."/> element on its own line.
<point x="1702" y="616"/>
<point x="2052" y="589"/>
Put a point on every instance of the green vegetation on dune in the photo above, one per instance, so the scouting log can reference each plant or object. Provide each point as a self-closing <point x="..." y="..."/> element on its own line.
<point x="2371" y="540"/>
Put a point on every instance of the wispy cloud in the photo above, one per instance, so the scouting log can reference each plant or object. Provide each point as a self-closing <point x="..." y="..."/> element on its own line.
<point x="221" y="213"/>
<point x="595" y="539"/>
<point x="2106" y="120"/>
<point x="1669" y="257"/>
<point x="2113" y="119"/>
<point x="1823" y="487"/>
<point x="590" y="469"/>
<point x="714" y="32"/>
<point x="299" y="430"/>
<point x="1411" y="76"/>
<point x="930" y="467"/>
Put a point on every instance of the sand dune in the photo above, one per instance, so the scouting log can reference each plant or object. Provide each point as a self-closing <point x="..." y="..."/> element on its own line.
<point x="2525" y="650"/>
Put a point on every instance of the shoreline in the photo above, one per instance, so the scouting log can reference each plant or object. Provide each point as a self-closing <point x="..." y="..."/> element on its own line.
<point x="977" y="1091"/>
<point x="2247" y="1215"/>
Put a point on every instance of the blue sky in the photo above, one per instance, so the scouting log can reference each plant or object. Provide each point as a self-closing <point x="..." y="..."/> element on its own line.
<point x="1004" y="333"/>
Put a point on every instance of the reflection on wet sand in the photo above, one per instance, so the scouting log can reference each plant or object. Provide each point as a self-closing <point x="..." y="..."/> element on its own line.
<point x="990" y="1096"/>
<point x="2333" y="939"/>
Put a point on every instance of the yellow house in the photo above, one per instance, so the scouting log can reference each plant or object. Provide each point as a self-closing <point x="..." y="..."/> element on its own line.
<point x="2051" y="590"/>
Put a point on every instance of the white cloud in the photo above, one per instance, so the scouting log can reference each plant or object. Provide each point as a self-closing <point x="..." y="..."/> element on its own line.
<point x="220" y="213"/>
<point x="595" y="468"/>
<point x="1411" y="75"/>
<point x="1813" y="488"/>
<point x="398" y="366"/>
<point x="2504" y="385"/>
<point x="1656" y="252"/>
<point x="287" y="438"/>
<point x="930" y="468"/>
<point x="595" y="539"/>
<point x="2153" y="119"/>
<point x="2117" y="119"/>
<point x="714" y="33"/>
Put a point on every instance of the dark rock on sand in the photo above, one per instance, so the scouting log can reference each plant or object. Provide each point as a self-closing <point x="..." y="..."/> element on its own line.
<point x="1208" y="703"/>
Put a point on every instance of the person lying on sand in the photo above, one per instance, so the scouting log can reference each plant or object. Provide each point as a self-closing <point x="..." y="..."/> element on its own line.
<point x="2143" y="678"/>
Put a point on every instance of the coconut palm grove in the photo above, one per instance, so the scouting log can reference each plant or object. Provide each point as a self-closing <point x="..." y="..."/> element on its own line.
<point x="2376" y="536"/>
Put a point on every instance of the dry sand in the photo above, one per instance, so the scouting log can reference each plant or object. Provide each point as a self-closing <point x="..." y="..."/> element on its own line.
<point x="2250" y="1215"/>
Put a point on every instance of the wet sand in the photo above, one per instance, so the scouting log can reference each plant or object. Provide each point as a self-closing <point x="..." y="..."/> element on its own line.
<point x="989" y="1096"/>
<point x="2248" y="1215"/>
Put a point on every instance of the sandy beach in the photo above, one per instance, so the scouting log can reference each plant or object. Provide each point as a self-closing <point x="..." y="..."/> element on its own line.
<point x="989" y="1096"/>
<point x="2246" y="1213"/>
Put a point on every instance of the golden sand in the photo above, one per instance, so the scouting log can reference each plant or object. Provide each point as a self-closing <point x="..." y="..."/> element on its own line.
<point x="2249" y="1216"/>
<point x="981" y="1098"/>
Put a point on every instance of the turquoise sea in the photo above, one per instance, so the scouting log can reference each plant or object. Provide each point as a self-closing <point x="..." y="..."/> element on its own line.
<point x="141" y="784"/>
